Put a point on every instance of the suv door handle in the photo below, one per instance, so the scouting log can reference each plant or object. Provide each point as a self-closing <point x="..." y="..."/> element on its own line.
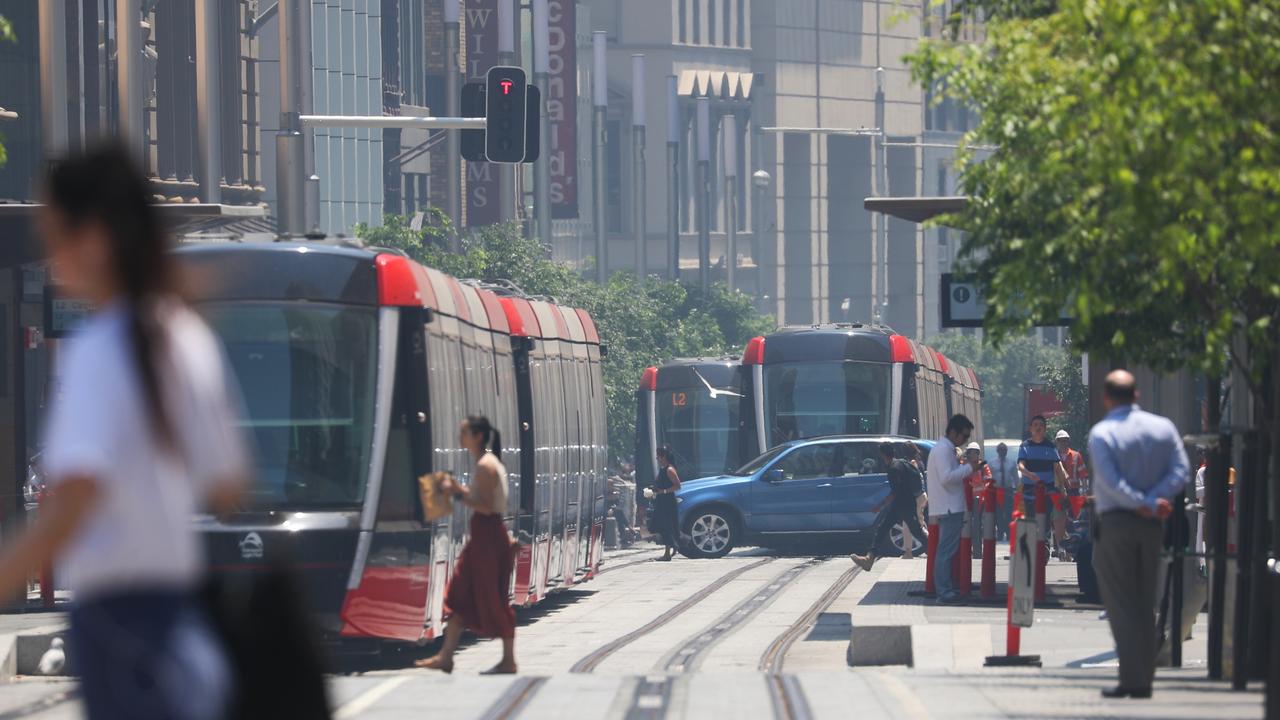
<point x="825" y="485"/>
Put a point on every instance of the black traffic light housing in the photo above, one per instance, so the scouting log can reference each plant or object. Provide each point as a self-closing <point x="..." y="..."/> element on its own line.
<point x="474" y="104"/>
<point x="506" y="114"/>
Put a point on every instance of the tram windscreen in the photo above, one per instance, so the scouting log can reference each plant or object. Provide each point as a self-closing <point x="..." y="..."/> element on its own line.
<point x="805" y="400"/>
<point x="701" y="431"/>
<point x="307" y="374"/>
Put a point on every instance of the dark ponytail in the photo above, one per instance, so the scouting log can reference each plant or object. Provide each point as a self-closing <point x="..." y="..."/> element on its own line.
<point x="491" y="438"/>
<point x="103" y="185"/>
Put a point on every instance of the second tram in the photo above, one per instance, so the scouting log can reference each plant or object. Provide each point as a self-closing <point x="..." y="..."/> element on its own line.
<point x="357" y="367"/>
<point x="693" y="407"/>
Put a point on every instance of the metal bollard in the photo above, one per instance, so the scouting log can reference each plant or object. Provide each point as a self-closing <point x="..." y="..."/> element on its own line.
<point x="611" y="532"/>
<point x="934" y="535"/>
<point x="988" y="542"/>
<point x="1042" y="546"/>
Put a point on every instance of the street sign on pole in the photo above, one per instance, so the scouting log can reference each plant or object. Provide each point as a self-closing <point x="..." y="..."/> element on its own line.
<point x="1022" y="575"/>
<point x="962" y="304"/>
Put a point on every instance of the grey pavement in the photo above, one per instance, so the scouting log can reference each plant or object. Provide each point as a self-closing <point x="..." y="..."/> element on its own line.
<point x="733" y="627"/>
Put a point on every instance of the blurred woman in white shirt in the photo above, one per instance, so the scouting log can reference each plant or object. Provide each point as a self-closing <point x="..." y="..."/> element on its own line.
<point x="139" y="440"/>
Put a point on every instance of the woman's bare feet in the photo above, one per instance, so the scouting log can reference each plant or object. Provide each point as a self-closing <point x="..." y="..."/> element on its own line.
<point x="435" y="662"/>
<point x="502" y="668"/>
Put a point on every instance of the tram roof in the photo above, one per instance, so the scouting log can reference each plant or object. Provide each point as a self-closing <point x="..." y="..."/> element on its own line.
<point x="344" y="271"/>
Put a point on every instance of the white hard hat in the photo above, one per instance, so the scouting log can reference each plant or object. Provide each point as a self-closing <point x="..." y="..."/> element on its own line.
<point x="973" y="446"/>
<point x="1062" y="435"/>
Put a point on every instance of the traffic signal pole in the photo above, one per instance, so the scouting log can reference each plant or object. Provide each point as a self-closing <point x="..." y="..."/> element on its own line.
<point x="541" y="79"/>
<point x="452" y="101"/>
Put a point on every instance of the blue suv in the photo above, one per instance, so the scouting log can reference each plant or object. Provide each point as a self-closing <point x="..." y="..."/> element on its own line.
<point x="831" y="487"/>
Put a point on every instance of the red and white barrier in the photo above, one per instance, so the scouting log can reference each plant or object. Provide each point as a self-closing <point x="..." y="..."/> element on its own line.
<point x="988" y="500"/>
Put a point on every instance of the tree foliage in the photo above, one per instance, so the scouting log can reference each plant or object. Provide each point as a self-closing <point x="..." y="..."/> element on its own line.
<point x="641" y="322"/>
<point x="1134" y="176"/>
<point x="1005" y="371"/>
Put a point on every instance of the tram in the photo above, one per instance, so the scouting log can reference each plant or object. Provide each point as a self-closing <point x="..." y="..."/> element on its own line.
<point x="357" y="366"/>
<point x="691" y="406"/>
<point x="849" y="379"/>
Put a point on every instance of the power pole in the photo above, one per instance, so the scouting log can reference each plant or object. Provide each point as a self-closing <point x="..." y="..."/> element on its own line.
<point x="542" y="79"/>
<point x="600" y="99"/>
<point x="731" y="195"/>
<point x="674" y="135"/>
<point x="452" y="103"/>
<point x="704" y="193"/>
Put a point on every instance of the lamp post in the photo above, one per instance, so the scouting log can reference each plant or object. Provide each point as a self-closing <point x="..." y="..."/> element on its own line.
<point x="507" y="56"/>
<point x="881" y="309"/>
<point x="639" y="200"/>
<point x="760" y="180"/>
<point x="600" y="101"/>
<point x="674" y="135"/>
<point x="731" y="197"/>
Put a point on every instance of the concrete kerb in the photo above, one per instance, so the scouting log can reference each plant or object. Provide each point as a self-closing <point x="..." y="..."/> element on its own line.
<point x="20" y="652"/>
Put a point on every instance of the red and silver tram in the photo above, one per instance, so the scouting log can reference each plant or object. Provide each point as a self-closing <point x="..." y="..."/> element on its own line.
<point x="357" y="367"/>
<point x="842" y="379"/>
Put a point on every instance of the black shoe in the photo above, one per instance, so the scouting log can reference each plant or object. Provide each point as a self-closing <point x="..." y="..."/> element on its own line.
<point x="1122" y="692"/>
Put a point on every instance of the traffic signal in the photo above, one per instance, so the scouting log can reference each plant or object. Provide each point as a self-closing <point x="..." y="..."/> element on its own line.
<point x="506" y="111"/>
<point x="472" y="141"/>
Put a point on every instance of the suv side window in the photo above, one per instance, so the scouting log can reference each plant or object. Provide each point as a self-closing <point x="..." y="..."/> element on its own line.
<point x="813" y="461"/>
<point x="863" y="458"/>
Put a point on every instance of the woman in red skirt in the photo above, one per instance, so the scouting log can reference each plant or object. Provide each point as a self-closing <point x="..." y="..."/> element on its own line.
<point x="477" y="598"/>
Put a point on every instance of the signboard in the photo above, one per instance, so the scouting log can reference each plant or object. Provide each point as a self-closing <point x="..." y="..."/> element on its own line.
<point x="411" y="138"/>
<point x="562" y="109"/>
<point x="1022" y="575"/>
<point x="62" y="315"/>
<point x="963" y="306"/>
<point x="480" y="23"/>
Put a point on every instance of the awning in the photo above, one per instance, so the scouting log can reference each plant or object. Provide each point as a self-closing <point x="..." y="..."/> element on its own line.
<point x="720" y="84"/>
<point x="19" y="244"/>
<point x="915" y="209"/>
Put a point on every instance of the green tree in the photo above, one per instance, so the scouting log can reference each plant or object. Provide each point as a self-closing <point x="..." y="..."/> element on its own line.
<point x="1004" y="372"/>
<point x="642" y="322"/>
<point x="1129" y="173"/>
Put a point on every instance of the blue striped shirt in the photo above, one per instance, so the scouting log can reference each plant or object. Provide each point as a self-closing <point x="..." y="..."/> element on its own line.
<point x="1039" y="458"/>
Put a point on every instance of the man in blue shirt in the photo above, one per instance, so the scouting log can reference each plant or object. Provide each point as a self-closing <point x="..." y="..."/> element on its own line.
<point x="1139" y="465"/>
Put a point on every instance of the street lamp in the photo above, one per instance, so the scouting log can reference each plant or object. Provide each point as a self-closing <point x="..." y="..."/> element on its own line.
<point x="760" y="180"/>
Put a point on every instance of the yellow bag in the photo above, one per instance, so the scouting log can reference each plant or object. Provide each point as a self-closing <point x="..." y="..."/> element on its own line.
<point x="436" y="503"/>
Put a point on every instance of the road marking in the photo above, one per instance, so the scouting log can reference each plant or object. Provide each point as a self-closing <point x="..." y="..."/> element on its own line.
<point x="369" y="698"/>
<point x="908" y="705"/>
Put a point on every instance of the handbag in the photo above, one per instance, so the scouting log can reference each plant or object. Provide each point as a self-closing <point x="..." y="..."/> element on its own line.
<point x="436" y="503"/>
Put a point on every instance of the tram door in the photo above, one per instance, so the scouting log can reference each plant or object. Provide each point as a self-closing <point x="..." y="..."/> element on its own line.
<point x="445" y="387"/>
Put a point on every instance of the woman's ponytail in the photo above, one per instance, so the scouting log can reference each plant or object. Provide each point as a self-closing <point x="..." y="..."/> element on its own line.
<point x="496" y="444"/>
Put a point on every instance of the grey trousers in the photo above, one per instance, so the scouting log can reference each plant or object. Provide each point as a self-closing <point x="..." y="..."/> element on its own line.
<point x="1126" y="560"/>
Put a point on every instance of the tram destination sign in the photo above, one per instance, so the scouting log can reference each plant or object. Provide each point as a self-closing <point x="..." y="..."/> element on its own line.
<point x="962" y="304"/>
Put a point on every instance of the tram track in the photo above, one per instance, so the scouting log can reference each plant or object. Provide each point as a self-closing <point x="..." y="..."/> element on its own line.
<point x="686" y="657"/>
<point x="592" y="661"/>
<point x="785" y="693"/>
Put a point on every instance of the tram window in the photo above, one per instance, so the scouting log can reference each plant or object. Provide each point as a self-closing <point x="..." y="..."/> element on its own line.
<point x="307" y="372"/>
<point x="804" y="400"/>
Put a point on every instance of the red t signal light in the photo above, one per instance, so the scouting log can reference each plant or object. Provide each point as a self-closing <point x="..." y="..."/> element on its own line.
<point x="506" y="91"/>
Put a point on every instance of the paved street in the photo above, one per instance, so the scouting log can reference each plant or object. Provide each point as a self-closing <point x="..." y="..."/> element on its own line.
<point x="757" y="634"/>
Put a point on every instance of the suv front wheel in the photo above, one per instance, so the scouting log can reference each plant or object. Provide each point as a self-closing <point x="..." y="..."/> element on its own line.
<point x="711" y="533"/>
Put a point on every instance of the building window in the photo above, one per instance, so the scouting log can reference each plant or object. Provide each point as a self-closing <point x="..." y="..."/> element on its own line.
<point x="711" y="22"/>
<point x="742" y="22"/>
<point x="697" y="21"/>
<point x="727" y="40"/>
<point x="683" y="13"/>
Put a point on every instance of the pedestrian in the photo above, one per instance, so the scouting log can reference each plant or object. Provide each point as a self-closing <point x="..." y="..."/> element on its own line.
<point x="1040" y="464"/>
<point x="139" y="440"/>
<point x="1005" y="475"/>
<point x="1077" y="471"/>
<point x="906" y="485"/>
<point x="913" y="456"/>
<point x="1139" y="465"/>
<point x="477" y="596"/>
<point x="979" y="480"/>
<point x="664" y="522"/>
<point x="946" y="497"/>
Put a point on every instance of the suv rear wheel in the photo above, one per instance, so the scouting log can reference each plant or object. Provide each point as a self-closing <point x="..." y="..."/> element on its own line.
<point x="711" y="532"/>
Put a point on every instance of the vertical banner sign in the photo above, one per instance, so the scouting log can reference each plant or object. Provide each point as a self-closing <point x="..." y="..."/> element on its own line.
<point x="480" y="23"/>
<point x="562" y="109"/>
